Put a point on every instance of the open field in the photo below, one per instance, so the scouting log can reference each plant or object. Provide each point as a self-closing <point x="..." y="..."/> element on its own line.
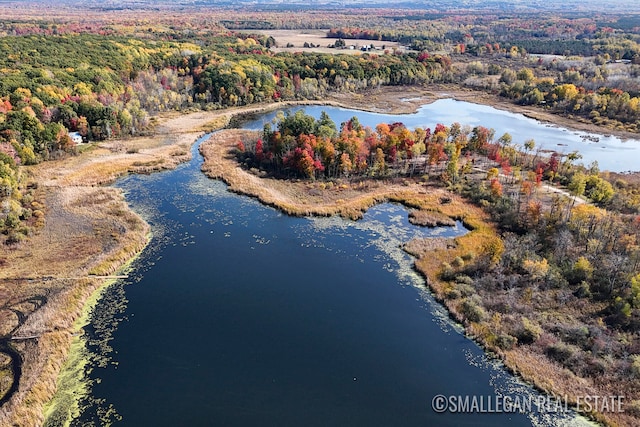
<point x="318" y="38"/>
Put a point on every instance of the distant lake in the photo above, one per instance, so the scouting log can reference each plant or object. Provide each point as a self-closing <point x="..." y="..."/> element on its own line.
<point x="238" y="315"/>
<point x="610" y="152"/>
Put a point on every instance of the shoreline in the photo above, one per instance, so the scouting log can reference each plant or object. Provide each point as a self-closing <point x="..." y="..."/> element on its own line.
<point x="72" y="383"/>
<point x="430" y="204"/>
<point x="90" y="234"/>
<point x="422" y="96"/>
<point x="78" y="207"/>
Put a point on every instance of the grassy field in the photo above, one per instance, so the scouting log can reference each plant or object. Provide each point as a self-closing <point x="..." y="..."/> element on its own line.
<point x="297" y="38"/>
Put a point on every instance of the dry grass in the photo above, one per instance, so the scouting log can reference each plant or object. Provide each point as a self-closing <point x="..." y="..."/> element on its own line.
<point x="550" y="378"/>
<point x="429" y="218"/>
<point x="89" y="229"/>
<point x="297" y="38"/>
<point x="349" y="199"/>
<point x="43" y="359"/>
<point x="215" y="124"/>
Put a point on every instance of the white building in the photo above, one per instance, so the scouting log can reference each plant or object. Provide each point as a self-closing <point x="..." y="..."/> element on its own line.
<point x="76" y="137"/>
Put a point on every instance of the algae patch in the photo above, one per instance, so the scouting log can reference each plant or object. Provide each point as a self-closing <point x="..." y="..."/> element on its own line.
<point x="73" y="392"/>
<point x="72" y="383"/>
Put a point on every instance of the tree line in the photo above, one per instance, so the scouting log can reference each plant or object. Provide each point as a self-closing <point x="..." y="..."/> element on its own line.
<point x="105" y="86"/>
<point x="301" y="146"/>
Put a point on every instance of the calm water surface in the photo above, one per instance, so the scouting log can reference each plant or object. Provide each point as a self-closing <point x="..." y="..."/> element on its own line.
<point x="237" y="315"/>
<point x="610" y="152"/>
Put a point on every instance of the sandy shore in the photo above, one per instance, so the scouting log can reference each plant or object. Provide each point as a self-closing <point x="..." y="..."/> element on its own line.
<point x="90" y="232"/>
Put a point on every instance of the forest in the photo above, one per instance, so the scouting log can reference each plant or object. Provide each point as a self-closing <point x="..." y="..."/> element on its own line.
<point x="302" y="147"/>
<point x="108" y="74"/>
<point x="109" y="86"/>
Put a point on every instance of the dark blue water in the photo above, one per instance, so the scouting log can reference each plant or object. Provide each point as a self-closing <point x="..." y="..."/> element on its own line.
<point x="610" y="152"/>
<point x="237" y="315"/>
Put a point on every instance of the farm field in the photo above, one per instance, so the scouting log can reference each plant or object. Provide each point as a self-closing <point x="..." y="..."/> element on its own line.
<point x="320" y="42"/>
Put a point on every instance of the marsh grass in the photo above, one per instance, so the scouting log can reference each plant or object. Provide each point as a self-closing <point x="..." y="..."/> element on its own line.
<point x="74" y="227"/>
<point x="349" y="199"/>
<point x="442" y="261"/>
<point x="96" y="211"/>
<point x="84" y="229"/>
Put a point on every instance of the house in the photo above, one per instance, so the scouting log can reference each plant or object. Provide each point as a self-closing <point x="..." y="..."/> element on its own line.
<point x="76" y="137"/>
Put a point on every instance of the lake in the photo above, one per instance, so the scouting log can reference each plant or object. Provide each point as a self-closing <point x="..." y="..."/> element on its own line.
<point x="610" y="152"/>
<point x="238" y="315"/>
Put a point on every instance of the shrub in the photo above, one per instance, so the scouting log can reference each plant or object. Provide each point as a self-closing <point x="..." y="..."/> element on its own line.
<point x="452" y="293"/>
<point x="14" y="238"/>
<point x="468" y="256"/>
<point x="635" y="365"/>
<point x="506" y="341"/>
<point x="632" y="408"/>
<point x="528" y="332"/>
<point x="582" y="270"/>
<point x="457" y="262"/>
<point x="465" y="290"/>
<point x="472" y="309"/>
<point x="594" y="367"/>
<point x="464" y="279"/>
<point x="26" y="214"/>
<point x="447" y="272"/>
<point x="560" y="352"/>
<point x="555" y="279"/>
<point x="578" y="335"/>
<point x="583" y="291"/>
<point x="11" y="221"/>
